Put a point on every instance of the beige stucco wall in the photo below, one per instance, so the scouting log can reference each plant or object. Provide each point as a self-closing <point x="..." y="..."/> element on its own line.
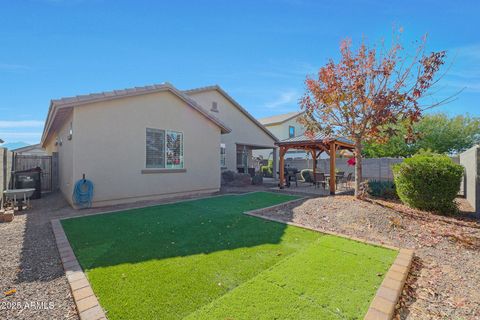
<point x="110" y="148"/>
<point x="244" y="131"/>
<point x="281" y="130"/>
<point x="65" y="156"/>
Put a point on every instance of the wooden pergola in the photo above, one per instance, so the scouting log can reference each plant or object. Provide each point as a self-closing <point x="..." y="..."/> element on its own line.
<point x="315" y="146"/>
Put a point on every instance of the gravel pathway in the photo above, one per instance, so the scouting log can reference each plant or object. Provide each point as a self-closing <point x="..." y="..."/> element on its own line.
<point x="445" y="278"/>
<point x="29" y="263"/>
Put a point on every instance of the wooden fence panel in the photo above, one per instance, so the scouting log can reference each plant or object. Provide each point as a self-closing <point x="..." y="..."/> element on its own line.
<point x="26" y="162"/>
<point x="5" y="169"/>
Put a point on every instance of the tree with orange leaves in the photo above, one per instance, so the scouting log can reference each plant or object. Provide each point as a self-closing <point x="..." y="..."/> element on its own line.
<point x="367" y="92"/>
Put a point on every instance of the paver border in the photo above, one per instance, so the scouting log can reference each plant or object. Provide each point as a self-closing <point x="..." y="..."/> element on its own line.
<point x="88" y="307"/>
<point x="386" y="298"/>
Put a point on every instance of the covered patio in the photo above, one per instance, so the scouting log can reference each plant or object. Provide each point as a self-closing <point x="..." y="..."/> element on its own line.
<point x="315" y="145"/>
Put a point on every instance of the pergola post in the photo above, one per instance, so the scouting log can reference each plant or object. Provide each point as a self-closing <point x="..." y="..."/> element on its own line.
<point x="314" y="158"/>
<point x="333" y="153"/>
<point x="274" y="163"/>
<point x="281" y="183"/>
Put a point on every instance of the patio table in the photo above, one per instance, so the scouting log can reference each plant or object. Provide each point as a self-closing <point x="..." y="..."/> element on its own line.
<point x="337" y="178"/>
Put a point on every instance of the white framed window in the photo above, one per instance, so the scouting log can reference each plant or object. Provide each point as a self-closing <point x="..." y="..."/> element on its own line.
<point x="291" y="131"/>
<point x="164" y="149"/>
<point x="223" y="155"/>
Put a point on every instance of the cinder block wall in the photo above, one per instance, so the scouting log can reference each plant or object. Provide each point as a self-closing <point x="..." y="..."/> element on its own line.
<point x="372" y="169"/>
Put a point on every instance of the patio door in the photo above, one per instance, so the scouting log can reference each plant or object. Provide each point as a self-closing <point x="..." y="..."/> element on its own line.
<point x="242" y="158"/>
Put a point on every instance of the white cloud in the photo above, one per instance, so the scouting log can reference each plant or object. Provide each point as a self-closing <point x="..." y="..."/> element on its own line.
<point x="285" y="98"/>
<point x="15" y="136"/>
<point x="21" y="124"/>
<point x="465" y="68"/>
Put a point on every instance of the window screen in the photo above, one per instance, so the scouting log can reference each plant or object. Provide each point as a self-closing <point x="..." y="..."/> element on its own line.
<point x="155" y="148"/>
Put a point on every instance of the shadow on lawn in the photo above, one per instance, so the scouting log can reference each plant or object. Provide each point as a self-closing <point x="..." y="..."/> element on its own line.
<point x="174" y="230"/>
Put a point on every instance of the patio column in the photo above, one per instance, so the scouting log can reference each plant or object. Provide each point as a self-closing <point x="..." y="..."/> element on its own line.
<point x="275" y="165"/>
<point x="333" y="153"/>
<point x="283" y="150"/>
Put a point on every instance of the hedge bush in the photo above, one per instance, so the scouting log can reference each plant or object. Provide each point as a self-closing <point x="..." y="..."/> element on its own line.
<point x="428" y="181"/>
<point x="382" y="189"/>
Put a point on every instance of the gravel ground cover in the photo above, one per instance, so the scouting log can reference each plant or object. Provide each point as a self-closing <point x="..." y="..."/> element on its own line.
<point x="445" y="277"/>
<point x="30" y="264"/>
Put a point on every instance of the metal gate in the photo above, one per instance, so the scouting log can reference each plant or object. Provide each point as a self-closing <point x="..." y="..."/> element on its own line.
<point x="46" y="163"/>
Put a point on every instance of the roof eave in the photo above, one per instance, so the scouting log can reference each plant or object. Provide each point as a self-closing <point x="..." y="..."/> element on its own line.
<point x="275" y="123"/>
<point x="55" y="105"/>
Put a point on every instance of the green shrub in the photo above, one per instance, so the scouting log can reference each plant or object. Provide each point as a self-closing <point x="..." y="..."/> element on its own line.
<point x="382" y="189"/>
<point x="257" y="179"/>
<point x="428" y="181"/>
<point x="228" y="176"/>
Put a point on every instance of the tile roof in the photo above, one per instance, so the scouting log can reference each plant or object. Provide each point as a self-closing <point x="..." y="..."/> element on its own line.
<point x="110" y="94"/>
<point x="68" y="102"/>
<point x="280" y="118"/>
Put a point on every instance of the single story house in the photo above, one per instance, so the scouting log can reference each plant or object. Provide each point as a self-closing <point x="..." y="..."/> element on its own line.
<point x="150" y="142"/>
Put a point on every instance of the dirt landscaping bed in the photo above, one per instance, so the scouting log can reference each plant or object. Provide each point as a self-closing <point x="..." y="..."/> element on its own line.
<point x="443" y="283"/>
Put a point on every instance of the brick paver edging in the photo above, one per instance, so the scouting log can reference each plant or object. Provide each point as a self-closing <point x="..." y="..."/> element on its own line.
<point x="87" y="304"/>
<point x="384" y="303"/>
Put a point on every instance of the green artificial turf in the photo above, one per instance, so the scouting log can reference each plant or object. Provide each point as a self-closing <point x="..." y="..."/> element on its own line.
<point x="205" y="259"/>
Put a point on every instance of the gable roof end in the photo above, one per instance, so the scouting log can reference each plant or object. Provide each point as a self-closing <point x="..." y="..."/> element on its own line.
<point x="236" y="104"/>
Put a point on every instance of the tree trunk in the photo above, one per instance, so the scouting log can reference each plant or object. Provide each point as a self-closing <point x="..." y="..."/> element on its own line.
<point x="358" y="167"/>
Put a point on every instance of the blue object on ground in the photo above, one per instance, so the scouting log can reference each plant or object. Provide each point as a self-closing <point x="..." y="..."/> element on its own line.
<point x="83" y="193"/>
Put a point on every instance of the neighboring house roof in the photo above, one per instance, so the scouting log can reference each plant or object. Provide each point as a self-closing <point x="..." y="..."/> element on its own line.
<point x="235" y="103"/>
<point x="27" y="148"/>
<point x="55" y="113"/>
<point x="280" y="118"/>
<point x="317" y="137"/>
<point x="14" y="145"/>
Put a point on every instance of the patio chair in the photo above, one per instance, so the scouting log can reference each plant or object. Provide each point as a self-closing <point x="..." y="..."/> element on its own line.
<point x="346" y="180"/>
<point x="320" y="179"/>
<point x="291" y="176"/>
<point x="339" y="178"/>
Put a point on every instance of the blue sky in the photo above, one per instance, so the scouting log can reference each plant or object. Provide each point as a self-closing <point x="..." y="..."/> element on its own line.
<point x="258" y="51"/>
